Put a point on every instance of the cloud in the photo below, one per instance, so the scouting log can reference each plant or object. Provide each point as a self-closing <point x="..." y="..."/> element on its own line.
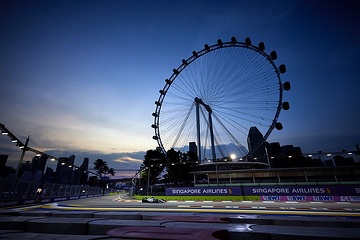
<point x="124" y="160"/>
<point x="127" y="159"/>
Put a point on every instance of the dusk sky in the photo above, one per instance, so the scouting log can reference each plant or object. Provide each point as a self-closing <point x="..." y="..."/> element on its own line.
<point x="81" y="77"/>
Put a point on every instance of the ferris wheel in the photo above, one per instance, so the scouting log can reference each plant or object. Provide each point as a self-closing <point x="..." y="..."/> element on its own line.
<point x="216" y="96"/>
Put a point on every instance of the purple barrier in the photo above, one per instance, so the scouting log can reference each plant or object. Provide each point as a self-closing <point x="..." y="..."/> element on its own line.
<point x="308" y="193"/>
<point x="311" y="198"/>
<point x="316" y="190"/>
<point x="203" y="191"/>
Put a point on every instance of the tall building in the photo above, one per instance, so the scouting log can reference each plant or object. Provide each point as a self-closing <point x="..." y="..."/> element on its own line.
<point x="3" y="160"/>
<point x="274" y="150"/>
<point x="38" y="163"/>
<point x="290" y="150"/>
<point x="192" y="147"/>
<point x="255" y="138"/>
<point x="83" y="171"/>
<point x="64" y="169"/>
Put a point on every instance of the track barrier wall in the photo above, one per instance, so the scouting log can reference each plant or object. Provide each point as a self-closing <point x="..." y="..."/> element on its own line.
<point x="313" y="193"/>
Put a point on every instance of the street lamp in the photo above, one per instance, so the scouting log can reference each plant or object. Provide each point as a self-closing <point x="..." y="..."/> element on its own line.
<point x="148" y="181"/>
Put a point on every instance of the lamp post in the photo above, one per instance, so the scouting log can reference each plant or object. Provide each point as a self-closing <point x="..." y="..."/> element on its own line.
<point x="148" y="181"/>
<point x="24" y="149"/>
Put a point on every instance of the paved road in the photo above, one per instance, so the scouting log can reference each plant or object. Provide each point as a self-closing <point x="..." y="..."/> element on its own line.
<point x="126" y="203"/>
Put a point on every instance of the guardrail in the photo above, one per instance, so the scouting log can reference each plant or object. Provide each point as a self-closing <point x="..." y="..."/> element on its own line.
<point x="24" y="192"/>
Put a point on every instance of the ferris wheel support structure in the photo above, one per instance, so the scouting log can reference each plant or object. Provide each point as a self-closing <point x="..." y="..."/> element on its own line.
<point x="198" y="102"/>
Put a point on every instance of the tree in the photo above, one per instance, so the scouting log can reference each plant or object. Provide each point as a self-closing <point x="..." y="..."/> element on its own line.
<point x="102" y="168"/>
<point x="154" y="161"/>
<point x="179" y="167"/>
<point x="111" y="171"/>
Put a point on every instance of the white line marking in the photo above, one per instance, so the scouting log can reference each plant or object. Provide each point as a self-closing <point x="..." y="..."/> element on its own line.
<point x="291" y="202"/>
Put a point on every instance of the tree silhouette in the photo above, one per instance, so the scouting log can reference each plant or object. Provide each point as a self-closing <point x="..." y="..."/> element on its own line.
<point x="179" y="166"/>
<point x="154" y="159"/>
<point x="102" y="168"/>
<point x="111" y="171"/>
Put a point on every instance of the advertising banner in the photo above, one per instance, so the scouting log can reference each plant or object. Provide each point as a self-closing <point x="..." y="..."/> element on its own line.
<point x="311" y="198"/>
<point x="316" y="190"/>
<point x="203" y="191"/>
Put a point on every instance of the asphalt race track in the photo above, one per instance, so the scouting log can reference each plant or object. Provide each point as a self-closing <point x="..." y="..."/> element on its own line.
<point x="121" y="217"/>
<point x="125" y="203"/>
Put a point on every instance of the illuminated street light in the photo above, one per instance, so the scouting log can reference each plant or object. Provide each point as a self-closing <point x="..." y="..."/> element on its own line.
<point x="232" y="156"/>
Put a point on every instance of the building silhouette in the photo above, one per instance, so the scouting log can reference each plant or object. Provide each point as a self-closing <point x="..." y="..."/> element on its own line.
<point x="255" y="138"/>
<point x="193" y="147"/>
<point x="38" y="163"/>
<point x="274" y="150"/>
<point x="290" y="150"/>
<point x="3" y="160"/>
<point x="82" y="172"/>
<point x="64" y="169"/>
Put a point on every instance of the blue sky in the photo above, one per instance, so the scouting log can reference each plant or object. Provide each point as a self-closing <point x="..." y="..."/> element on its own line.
<point x="81" y="77"/>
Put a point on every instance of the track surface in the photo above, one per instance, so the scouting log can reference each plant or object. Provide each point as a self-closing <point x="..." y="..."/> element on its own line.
<point x="123" y="202"/>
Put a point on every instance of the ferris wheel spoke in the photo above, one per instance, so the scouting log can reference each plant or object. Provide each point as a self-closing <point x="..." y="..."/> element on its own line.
<point x="182" y="127"/>
<point x="228" y="132"/>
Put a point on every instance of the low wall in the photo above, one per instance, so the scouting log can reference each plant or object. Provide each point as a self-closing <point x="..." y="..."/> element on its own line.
<point x="18" y="202"/>
<point x="316" y="193"/>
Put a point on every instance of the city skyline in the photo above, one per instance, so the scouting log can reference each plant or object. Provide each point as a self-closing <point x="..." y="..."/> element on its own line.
<point x="81" y="78"/>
